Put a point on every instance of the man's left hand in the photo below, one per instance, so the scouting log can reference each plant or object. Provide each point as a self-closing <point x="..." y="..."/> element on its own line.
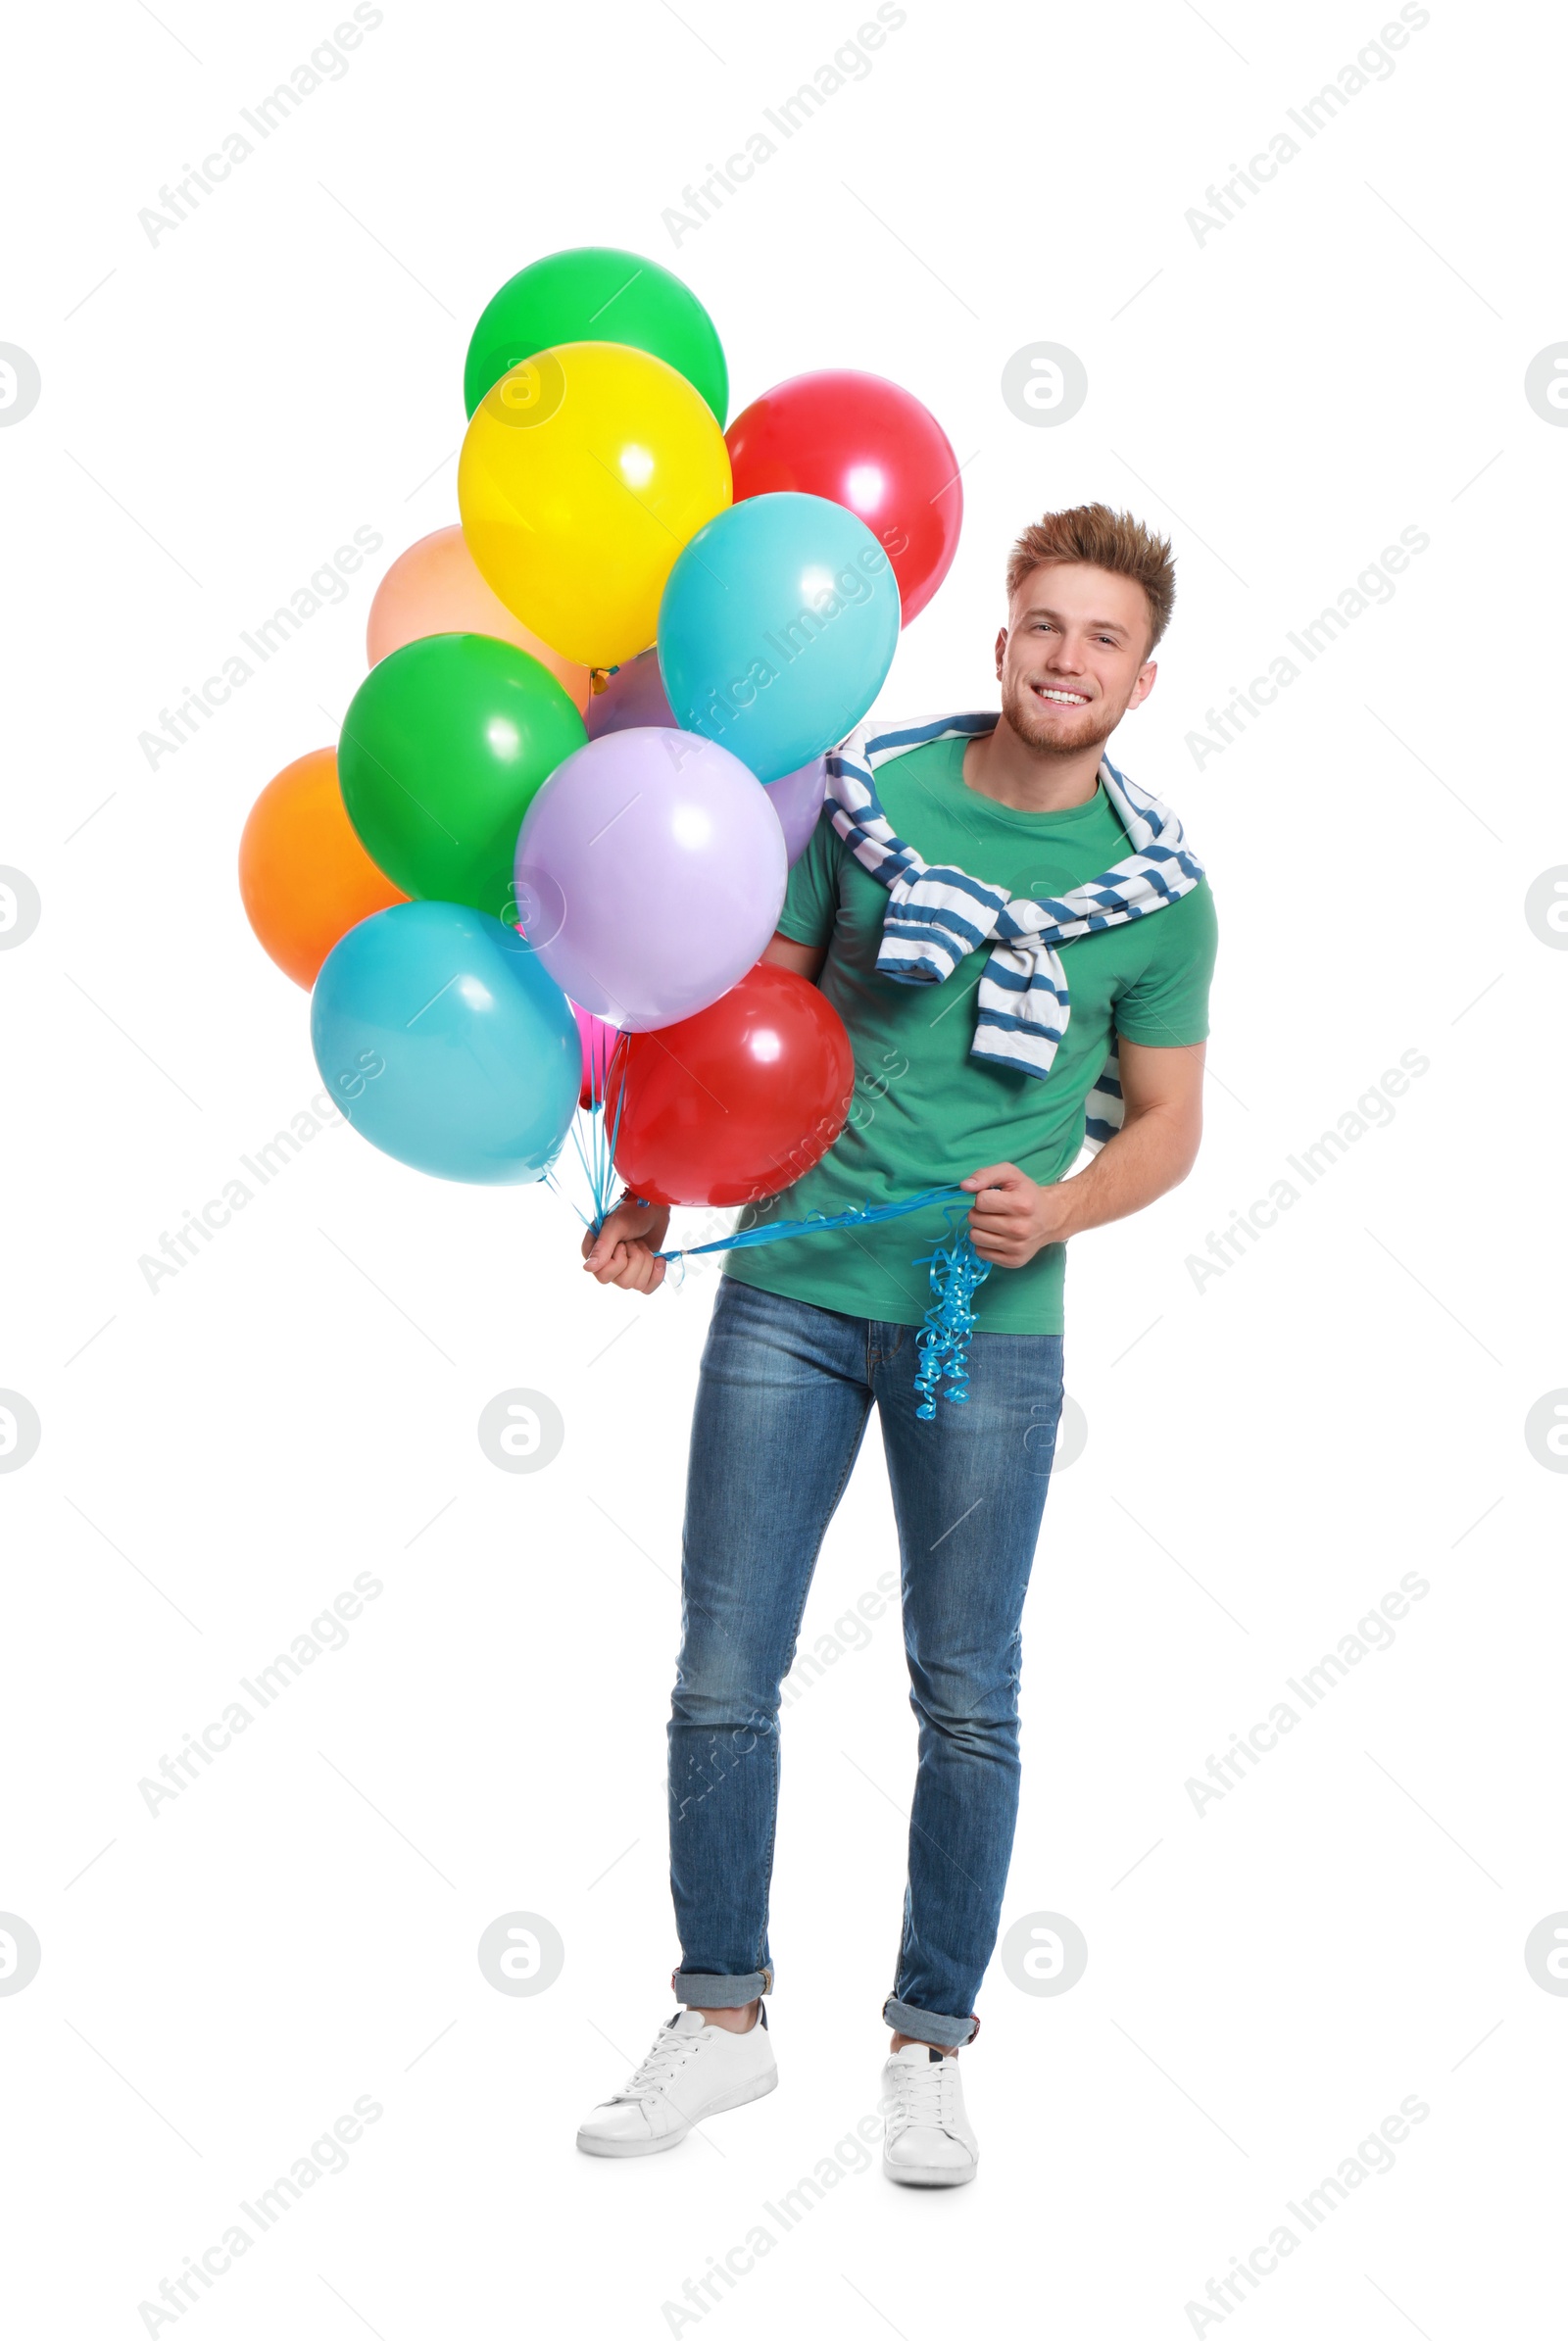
<point x="1012" y="1218"/>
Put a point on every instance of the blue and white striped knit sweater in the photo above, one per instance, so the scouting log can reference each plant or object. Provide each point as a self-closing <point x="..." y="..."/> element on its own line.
<point x="938" y="914"/>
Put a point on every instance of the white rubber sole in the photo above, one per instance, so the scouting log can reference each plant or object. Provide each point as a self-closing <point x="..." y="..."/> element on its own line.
<point x="624" y="2149"/>
<point x="929" y="2174"/>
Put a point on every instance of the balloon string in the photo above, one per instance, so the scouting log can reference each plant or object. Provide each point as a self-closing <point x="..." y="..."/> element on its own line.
<point x="596" y="1150"/>
<point x="603" y="1190"/>
<point x="957" y="1274"/>
<point x="556" y="1188"/>
<point x="864" y="1216"/>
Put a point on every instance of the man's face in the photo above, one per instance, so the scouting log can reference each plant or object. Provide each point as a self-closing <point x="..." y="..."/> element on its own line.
<point x="1073" y="656"/>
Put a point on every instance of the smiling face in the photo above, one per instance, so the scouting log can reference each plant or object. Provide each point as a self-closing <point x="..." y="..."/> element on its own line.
<point x="1073" y="656"/>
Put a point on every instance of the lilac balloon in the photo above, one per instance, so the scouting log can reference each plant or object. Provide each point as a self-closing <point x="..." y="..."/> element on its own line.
<point x="633" y="697"/>
<point x="651" y="873"/>
<point x="796" y="800"/>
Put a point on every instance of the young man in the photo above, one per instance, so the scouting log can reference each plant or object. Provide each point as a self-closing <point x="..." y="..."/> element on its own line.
<point x="981" y="1054"/>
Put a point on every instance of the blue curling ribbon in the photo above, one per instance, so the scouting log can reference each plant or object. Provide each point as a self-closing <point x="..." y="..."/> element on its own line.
<point x="862" y="1216"/>
<point x="957" y="1274"/>
<point x="594" y="1143"/>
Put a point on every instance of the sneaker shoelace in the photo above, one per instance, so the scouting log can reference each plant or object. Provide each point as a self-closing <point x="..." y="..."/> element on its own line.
<point x="663" y="2061"/>
<point x="924" y="2095"/>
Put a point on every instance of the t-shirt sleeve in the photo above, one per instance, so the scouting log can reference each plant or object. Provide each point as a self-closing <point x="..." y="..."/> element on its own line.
<point x="812" y="899"/>
<point x="1166" y="1007"/>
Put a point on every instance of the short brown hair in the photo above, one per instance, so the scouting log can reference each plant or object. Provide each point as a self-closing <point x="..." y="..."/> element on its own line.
<point x="1105" y="540"/>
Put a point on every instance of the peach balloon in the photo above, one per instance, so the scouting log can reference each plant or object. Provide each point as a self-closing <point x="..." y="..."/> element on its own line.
<point x="304" y="876"/>
<point x="434" y="588"/>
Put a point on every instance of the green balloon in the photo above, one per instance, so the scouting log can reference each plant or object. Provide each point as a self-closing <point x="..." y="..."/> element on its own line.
<point x="596" y="294"/>
<point x="445" y="745"/>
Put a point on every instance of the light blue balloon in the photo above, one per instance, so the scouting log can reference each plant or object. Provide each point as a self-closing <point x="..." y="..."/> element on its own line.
<point x="444" y="1041"/>
<point x="777" y="628"/>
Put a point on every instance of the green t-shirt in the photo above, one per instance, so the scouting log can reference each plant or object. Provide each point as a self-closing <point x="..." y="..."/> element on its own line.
<point x="925" y="1112"/>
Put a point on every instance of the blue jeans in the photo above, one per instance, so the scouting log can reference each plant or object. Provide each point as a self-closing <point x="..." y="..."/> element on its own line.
<point x="781" y="1410"/>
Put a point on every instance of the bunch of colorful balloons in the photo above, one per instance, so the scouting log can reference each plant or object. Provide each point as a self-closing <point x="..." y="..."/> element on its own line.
<point x="541" y="867"/>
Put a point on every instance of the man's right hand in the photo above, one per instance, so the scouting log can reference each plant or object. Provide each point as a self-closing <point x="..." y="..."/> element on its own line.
<point x="623" y="1252"/>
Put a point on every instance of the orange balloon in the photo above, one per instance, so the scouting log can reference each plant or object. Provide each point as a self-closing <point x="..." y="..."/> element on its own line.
<point x="434" y="588"/>
<point x="304" y="876"/>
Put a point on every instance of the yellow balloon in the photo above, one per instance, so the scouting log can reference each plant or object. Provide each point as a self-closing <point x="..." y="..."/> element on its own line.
<point x="584" y="472"/>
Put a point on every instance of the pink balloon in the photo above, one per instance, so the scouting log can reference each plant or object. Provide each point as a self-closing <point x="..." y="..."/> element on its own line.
<point x="650" y="874"/>
<point x="598" y="1047"/>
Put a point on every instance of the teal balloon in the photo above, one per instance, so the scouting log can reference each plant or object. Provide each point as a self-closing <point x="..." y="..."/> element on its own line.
<point x="441" y="1038"/>
<point x="596" y="293"/>
<point x="777" y="628"/>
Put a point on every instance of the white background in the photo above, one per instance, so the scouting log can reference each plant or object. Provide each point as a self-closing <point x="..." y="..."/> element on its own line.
<point x="223" y="408"/>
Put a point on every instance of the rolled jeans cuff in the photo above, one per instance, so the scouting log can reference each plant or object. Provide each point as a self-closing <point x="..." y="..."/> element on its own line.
<point x="696" y="1990"/>
<point x="917" y="2023"/>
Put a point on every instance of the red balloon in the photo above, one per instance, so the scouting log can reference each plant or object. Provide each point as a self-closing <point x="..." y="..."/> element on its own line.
<point x="736" y="1101"/>
<point x="864" y="443"/>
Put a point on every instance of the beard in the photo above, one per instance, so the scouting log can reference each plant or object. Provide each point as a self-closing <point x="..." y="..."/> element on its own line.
<point x="1059" y="734"/>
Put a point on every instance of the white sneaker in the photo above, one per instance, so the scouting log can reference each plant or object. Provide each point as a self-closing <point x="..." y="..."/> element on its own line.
<point x="928" y="2140"/>
<point x="694" y="2069"/>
